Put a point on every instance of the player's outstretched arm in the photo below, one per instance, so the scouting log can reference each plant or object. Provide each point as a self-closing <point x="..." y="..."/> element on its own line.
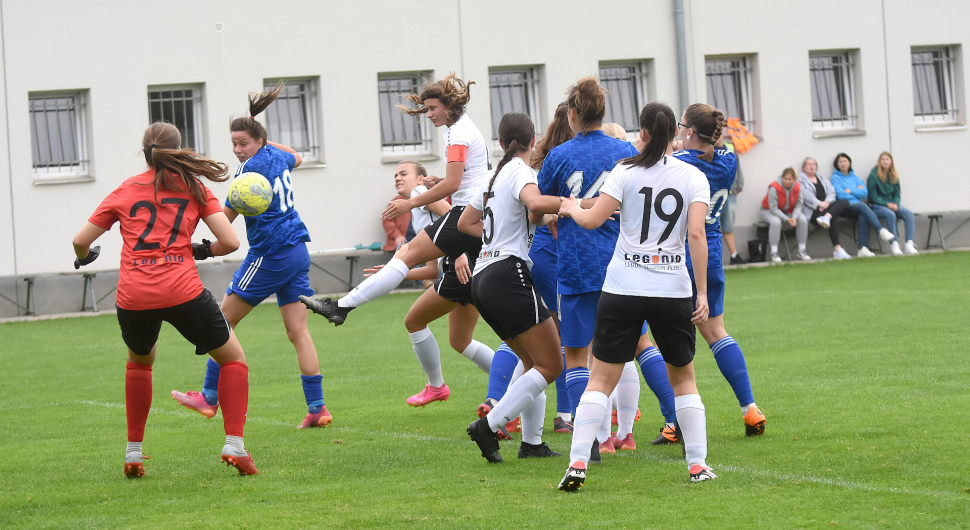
<point x="451" y="183"/>
<point x="82" y="244"/>
<point x="226" y="239"/>
<point x="594" y="217"/>
<point x="470" y="221"/>
<point x="281" y="147"/>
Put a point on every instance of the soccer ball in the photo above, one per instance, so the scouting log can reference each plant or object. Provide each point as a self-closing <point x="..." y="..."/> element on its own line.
<point x="250" y="194"/>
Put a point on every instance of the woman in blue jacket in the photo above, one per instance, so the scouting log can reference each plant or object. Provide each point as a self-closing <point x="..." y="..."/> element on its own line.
<point x="850" y="187"/>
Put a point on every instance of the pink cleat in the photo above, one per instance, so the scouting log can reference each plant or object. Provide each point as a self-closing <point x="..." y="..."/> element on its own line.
<point x="244" y="464"/>
<point x="320" y="419"/>
<point x="607" y="447"/>
<point x="430" y="394"/>
<point x="626" y="444"/>
<point x="193" y="400"/>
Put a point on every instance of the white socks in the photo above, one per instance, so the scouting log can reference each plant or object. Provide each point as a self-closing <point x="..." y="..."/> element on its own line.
<point x="426" y="349"/>
<point x="479" y="354"/>
<point x="377" y="285"/>
<point x="519" y="396"/>
<point x="517" y="373"/>
<point x="801" y="247"/>
<point x="774" y="249"/>
<point x="133" y="453"/>
<point x="532" y="419"/>
<point x="744" y="409"/>
<point x="693" y="424"/>
<point x="627" y="396"/>
<point x="234" y="446"/>
<point x="593" y="406"/>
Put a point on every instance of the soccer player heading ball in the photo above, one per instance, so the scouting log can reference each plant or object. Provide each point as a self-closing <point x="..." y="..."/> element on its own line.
<point x="158" y="211"/>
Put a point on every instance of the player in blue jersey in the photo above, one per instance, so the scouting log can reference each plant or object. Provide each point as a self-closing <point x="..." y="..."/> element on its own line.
<point x="277" y="263"/>
<point x="579" y="167"/>
<point x="700" y="129"/>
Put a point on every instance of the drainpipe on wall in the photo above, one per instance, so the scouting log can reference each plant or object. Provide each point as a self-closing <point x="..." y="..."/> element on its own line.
<point x="681" y="33"/>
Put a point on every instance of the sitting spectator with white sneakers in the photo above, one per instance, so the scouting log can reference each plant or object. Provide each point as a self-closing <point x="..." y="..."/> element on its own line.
<point x="783" y="206"/>
<point x="820" y="206"/>
<point x="883" y="186"/>
<point x="850" y="187"/>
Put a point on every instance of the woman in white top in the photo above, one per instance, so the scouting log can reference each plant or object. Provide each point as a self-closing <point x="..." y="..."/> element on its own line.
<point x="504" y="214"/>
<point x="663" y="202"/>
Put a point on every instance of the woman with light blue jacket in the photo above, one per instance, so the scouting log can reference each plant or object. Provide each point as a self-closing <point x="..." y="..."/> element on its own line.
<point x="850" y="187"/>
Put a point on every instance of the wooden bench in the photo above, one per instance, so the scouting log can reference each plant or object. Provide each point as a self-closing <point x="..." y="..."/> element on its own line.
<point x="352" y="254"/>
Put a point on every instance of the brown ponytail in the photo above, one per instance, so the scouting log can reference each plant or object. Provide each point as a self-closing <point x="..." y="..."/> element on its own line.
<point x="588" y="99"/>
<point x="707" y="122"/>
<point x="557" y="134"/>
<point x="658" y="120"/>
<point x="257" y="104"/>
<point x="451" y="91"/>
<point x="178" y="169"/>
<point x="516" y="132"/>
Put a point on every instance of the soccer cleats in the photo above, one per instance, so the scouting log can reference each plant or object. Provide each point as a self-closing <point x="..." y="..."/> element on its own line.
<point x="326" y="307"/>
<point x="754" y="422"/>
<point x="562" y="426"/>
<point x="699" y="473"/>
<point x="514" y="425"/>
<point x="541" y="450"/>
<point x="319" y="419"/>
<point x="485" y="407"/>
<point x="614" y="422"/>
<point x="133" y="464"/>
<point x="193" y="400"/>
<point x="430" y="394"/>
<point x="243" y="464"/>
<point x="487" y="441"/>
<point x="626" y="444"/>
<point x="668" y="436"/>
<point x="575" y="476"/>
<point x="607" y="447"/>
<point x="594" y="454"/>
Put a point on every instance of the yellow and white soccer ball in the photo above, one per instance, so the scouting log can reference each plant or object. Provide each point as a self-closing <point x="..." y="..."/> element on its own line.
<point x="250" y="194"/>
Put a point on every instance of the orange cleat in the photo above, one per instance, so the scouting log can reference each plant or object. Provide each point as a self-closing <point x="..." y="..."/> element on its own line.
<point x="754" y="422"/>
<point x="244" y="464"/>
<point x="320" y="419"/>
<point x="134" y="470"/>
<point x="514" y="425"/>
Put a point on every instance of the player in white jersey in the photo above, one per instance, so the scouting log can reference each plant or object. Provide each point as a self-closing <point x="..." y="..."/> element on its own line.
<point x="662" y="202"/>
<point x="504" y="214"/>
<point x="468" y="168"/>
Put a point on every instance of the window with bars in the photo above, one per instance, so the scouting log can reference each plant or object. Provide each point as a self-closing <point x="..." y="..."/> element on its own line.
<point x="57" y="134"/>
<point x="832" y="87"/>
<point x="627" y="85"/>
<point x="182" y="107"/>
<point x="291" y="120"/>
<point x="513" y="90"/>
<point x="729" y="88"/>
<point x="401" y="133"/>
<point x="933" y="85"/>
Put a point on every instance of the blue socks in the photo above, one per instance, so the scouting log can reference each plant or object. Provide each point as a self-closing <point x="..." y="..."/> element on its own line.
<point x="576" y="380"/>
<point x="313" y="391"/>
<point x="562" y="397"/>
<point x="210" y="387"/>
<point x="500" y="374"/>
<point x="730" y="361"/>
<point x="655" y="374"/>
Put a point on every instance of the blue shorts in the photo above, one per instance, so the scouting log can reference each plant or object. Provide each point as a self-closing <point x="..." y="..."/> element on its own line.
<point x="577" y="318"/>
<point x="715" y="290"/>
<point x="285" y="274"/>
<point x="544" y="272"/>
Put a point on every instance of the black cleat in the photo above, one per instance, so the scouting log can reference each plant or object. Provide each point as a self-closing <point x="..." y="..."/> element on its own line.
<point x="575" y="476"/>
<point x="667" y="436"/>
<point x="487" y="441"/>
<point x="738" y="260"/>
<point x="594" y="454"/>
<point x="562" y="426"/>
<point x="542" y="450"/>
<point x="326" y="307"/>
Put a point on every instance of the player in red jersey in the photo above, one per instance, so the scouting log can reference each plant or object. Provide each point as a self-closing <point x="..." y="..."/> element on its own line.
<point x="158" y="212"/>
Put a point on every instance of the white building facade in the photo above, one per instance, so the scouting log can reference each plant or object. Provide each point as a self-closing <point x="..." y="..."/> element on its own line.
<point x="82" y="80"/>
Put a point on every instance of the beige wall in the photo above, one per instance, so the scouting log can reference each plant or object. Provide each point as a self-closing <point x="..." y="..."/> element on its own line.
<point x="116" y="49"/>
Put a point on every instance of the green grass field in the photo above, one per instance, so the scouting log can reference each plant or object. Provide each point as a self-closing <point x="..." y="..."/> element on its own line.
<point x="861" y="368"/>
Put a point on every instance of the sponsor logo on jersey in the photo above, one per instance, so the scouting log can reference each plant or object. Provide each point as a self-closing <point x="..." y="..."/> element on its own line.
<point x="660" y="261"/>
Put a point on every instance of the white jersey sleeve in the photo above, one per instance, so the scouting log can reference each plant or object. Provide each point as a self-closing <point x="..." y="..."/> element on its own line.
<point x="421" y="217"/>
<point x="477" y="198"/>
<point x="477" y="164"/>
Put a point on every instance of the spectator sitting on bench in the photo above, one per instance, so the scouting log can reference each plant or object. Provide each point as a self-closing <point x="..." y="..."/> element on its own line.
<point x="783" y="205"/>
<point x="820" y="206"/>
<point x="850" y="187"/>
<point x="883" y="186"/>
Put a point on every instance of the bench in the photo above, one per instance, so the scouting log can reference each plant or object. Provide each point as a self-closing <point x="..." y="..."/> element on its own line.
<point x="31" y="304"/>
<point x="934" y="218"/>
<point x="352" y="254"/>
<point x="88" y="287"/>
<point x="763" y="226"/>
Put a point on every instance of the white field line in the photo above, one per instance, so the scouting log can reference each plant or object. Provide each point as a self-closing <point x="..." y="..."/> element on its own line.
<point x="771" y="475"/>
<point x="786" y="294"/>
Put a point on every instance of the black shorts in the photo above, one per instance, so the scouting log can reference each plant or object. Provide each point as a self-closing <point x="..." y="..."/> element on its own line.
<point x="619" y="321"/>
<point x="199" y="320"/>
<point x="449" y="286"/>
<point x="445" y="235"/>
<point x="507" y="299"/>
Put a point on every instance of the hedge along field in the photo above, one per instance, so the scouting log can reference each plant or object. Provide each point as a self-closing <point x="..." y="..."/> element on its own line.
<point x="861" y="368"/>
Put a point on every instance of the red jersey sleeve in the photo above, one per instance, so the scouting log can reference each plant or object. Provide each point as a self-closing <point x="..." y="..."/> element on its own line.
<point x="107" y="213"/>
<point x="212" y="204"/>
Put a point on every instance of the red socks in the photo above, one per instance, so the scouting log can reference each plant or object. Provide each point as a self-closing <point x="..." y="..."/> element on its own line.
<point x="138" y="399"/>
<point x="234" y="396"/>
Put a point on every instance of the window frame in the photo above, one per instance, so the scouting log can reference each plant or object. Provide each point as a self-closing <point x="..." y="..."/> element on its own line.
<point x="80" y="169"/>
<point x="531" y="81"/>
<point x="197" y="111"/>
<point x="844" y="75"/>
<point x="744" y="98"/>
<point x="947" y="76"/>
<point x="313" y="150"/>
<point x="424" y="144"/>
<point x="639" y="79"/>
